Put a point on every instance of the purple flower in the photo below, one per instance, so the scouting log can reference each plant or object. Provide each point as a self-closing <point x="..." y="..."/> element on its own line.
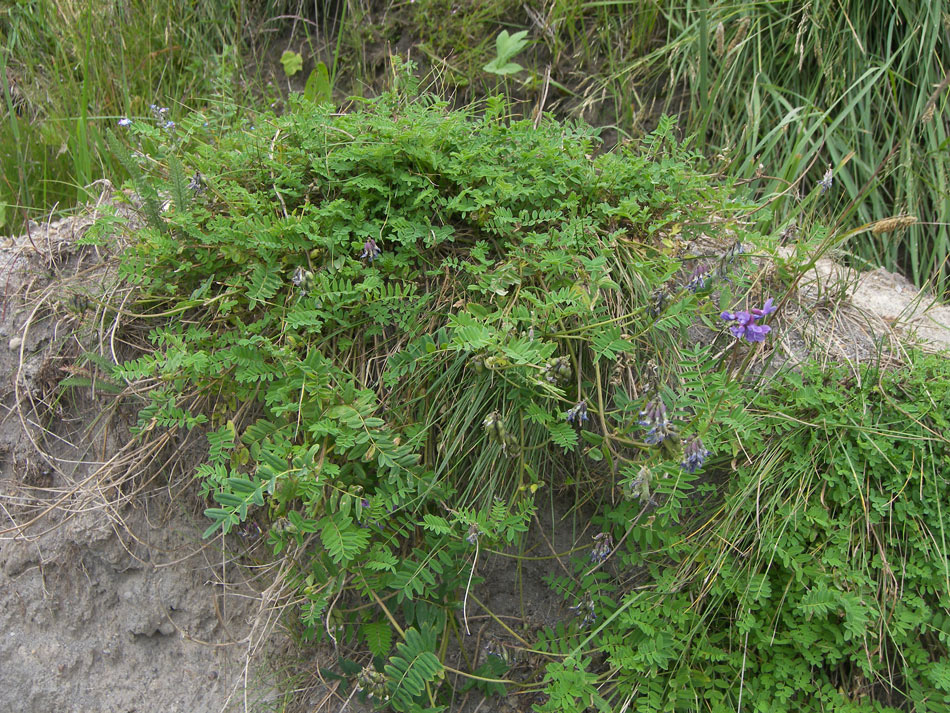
<point x="169" y="125"/>
<point x="124" y="121"/>
<point x="603" y="544"/>
<point x="370" y="250"/>
<point x="699" y="277"/>
<point x="694" y="455"/>
<point x="767" y="309"/>
<point x="197" y="183"/>
<point x="473" y="533"/>
<point x="654" y="418"/>
<point x="746" y="323"/>
<point x="585" y="607"/>
<point x="578" y="414"/>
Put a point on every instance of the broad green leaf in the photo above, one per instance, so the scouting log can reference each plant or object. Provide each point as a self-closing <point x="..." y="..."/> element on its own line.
<point x="318" y="88"/>
<point x="292" y="61"/>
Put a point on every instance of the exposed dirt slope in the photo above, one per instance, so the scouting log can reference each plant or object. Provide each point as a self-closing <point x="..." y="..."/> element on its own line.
<point x="109" y="599"/>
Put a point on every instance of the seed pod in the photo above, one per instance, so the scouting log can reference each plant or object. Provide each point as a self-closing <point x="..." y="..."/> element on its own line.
<point x="494" y="427"/>
<point x="510" y="445"/>
<point x="495" y="362"/>
<point x="500" y="432"/>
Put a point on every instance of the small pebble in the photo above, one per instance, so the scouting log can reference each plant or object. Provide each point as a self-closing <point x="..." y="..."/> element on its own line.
<point x="15" y="343"/>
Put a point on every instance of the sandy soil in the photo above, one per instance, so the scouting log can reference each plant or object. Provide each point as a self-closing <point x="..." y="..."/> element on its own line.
<point x="109" y="599"/>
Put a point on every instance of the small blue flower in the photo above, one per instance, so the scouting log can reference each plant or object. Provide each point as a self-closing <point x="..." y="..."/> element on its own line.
<point x="197" y="183"/>
<point x="586" y="607"/>
<point x="694" y="455"/>
<point x="578" y="414"/>
<point x="473" y="533"/>
<point x="700" y="276"/>
<point x="371" y="250"/>
<point x="603" y="544"/>
<point x="124" y="121"/>
<point x="654" y="417"/>
<point x="169" y="125"/>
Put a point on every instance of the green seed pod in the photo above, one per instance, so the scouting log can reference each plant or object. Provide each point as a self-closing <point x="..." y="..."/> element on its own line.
<point x="500" y="432"/>
<point x="510" y="445"/>
<point x="490" y="424"/>
<point x="496" y="362"/>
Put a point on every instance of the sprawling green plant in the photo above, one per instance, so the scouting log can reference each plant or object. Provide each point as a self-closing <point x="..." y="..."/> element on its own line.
<point x="818" y="581"/>
<point x="395" y="324"/>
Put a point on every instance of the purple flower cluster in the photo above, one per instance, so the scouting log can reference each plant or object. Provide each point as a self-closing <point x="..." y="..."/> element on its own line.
<point x="585" y="607"/>
<point x="694" y="455"/>
<point x="371" y="250"/>
<point x="603" y="544"/>
<point x="699" y="278"/>
<point x="654" y="418"/>
<point x="746" y="323"/>
<point x="578" y="414"/>
<point x="473" y="533"/>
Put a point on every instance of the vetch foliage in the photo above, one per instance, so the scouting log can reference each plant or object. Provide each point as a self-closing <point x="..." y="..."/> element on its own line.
<point x="817" y="582"/>
<point x="379" y="319"/>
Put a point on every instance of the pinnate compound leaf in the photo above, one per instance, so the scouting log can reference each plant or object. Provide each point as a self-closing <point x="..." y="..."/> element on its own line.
<point x="342" y="539"/>
<point x="379" y="637"/>
<point x="412" y="666"/>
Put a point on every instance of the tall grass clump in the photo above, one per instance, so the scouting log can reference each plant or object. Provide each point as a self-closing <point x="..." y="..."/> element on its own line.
<point x="394" y="326"/>
<point x="70" y="70"/>
<point x="787" y="91"/>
